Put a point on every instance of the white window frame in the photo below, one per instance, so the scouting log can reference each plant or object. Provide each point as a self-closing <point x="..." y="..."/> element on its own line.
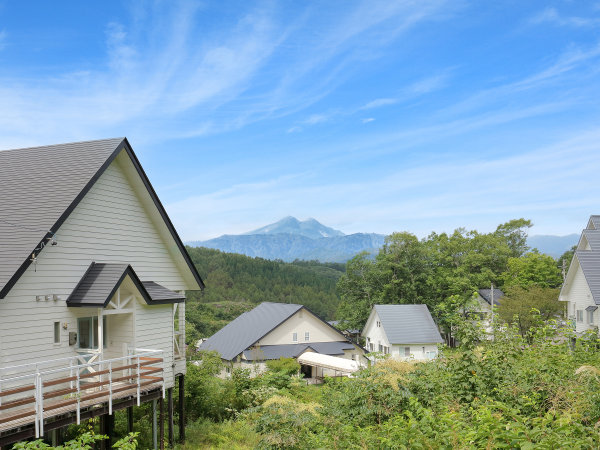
<point x="294" y="337"/>
<point x="56" y="330"/>
<point x="580" y="315"/>
<point x="306" y="336"/>
<point x="590" y="317"/>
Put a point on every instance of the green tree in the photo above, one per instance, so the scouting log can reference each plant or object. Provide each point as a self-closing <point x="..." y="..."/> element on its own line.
<point x="532" y="269"/>
<point x="525" y="307"/>
<point x="515" y="233"/>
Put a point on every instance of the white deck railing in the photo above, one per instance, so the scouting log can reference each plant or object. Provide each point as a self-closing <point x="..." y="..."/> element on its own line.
<point x="87" y="384"/>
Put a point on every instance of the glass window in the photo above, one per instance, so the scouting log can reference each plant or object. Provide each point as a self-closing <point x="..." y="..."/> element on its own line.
<point x="590" y="317"/>
<point x="580" y="315"/>
<point x="295" y="337"/>
<point x="307" y="336"/>
<point x="407" y="351"/>
<point x="87" y="332"/>
<point x="56" y="332"/>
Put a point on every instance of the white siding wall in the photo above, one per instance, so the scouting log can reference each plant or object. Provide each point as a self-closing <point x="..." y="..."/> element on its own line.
<point x="109" y="225"/>
<point x="418" y="352"/>
<point x="300" y="323"/>
<point x="373" y="334"/>
<point x="579" y="297"/>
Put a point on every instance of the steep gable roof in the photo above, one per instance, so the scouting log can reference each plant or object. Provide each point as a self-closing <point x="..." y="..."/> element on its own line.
<point x="41" y="186"/>
<point x="486" y="294"/>
<point x="101" y="280"/>
<point x="408" y="324"/>
<point x="248" y="328"/>
<point x="589" y="261"/>
<point x="594" y="222"/>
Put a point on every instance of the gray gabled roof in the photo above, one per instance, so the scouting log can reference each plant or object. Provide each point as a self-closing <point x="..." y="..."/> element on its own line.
<point x="593" y="238"/>
<point x="266" y="352"/>
<point x="101" y="280"/>
<point x="40" y="187"/>
<point x="594" y="223"/>
<point x="248" y="328"/>
<point x="589" y="260"/>
<point x="408" y="324"/>
<point x="486" y="294"/>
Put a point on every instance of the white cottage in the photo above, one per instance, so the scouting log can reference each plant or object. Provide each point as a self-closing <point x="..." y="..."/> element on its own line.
<point x="276" y="330"/>
<point x="402" y="331"/>
<point x="92" y="287"/>
<point x="581" y="288"/>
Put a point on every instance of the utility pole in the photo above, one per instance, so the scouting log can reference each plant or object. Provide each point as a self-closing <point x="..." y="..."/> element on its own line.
<point x="492" y="304"/>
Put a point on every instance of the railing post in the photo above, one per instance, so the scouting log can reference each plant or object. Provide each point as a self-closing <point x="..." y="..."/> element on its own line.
<point x="138" y="380"/>
<point x="71" y="373"/>
<point x="36" y="409"/>
<point x="110" y="388"/>
<point x="78" y="400"/>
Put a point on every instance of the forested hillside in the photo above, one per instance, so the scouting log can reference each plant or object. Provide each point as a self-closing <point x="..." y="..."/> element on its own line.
<point x="236" y="283"/>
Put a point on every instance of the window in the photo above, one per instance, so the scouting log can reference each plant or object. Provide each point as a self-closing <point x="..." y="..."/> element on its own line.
<point x="380" y="348"/>
<point x="307" y="336"/>
<point x="580" y="315"/>
<point x="56" y="332"/>
<point x="370" y="346"/>
<point x="87" y="332"/>
<point x="378" y="323"/>
<point x="295" y="337"/>
<point x="407" y="352"/>
<point x="590" y="317"/>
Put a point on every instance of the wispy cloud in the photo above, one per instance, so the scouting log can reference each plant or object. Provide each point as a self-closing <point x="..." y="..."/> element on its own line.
<point x="551" y="15"/>
<point x="379" y="102"/>
<point x="178" y="81"/>
<point x="368" y="119"/>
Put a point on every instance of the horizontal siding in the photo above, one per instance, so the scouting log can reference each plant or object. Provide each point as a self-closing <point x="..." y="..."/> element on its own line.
<point x="109" y="225"/>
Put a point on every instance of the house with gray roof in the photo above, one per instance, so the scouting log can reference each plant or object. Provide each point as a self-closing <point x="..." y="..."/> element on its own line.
<point x="279" y="330"/>
<point x="581" y="288"/>
<point x="402" y="331"/>
<point x="93" y="278"/>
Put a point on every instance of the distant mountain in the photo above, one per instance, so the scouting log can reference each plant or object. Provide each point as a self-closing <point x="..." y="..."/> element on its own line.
<point x="554" y="246"/>
<point x="290" y="239"/>
<point x="310" y="228"/>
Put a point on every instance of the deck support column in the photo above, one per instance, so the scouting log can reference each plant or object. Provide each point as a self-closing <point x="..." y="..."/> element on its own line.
<point x="154" y="426"/>
<point x="170" y="415"/>
<point x="181" y="406"/>
<point x="130" y="419"/>
<point x="162" y="423"/>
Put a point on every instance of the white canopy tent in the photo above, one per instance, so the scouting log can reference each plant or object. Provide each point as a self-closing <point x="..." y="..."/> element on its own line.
<point x="329" y="362"/>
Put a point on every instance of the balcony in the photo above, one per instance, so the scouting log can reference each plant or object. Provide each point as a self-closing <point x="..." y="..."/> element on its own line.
<point x="33" y="393"/>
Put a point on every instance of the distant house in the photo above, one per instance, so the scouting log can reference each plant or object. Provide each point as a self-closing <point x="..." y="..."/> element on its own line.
<point x="402" y="331"/>
<point x="581" y="289"/>
<point x="275" y="330"/>
<point x="351" y="333"/>
<point x="482" y="309"/>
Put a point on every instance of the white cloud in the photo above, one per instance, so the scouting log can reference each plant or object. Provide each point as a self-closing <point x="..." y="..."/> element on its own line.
<point x="379" y="102"/>
<point x="551" y="15"/>
<point x="368" y="119"/>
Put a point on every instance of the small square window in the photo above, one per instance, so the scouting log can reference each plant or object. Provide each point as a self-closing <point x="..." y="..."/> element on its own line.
<point x="56" y="332"/>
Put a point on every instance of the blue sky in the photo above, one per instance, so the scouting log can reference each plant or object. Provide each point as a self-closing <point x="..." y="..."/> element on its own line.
<point x="370" y="117"/>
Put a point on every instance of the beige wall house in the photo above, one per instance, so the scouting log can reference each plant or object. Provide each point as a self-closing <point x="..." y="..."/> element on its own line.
<point x="275" y="330"/>
<point x="405" y="332"/>
<point x="581" y="288"/>
<point x="92" y="280"/>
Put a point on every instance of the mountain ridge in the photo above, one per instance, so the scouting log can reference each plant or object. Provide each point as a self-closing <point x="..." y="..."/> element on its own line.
<point x="290" y="239"/>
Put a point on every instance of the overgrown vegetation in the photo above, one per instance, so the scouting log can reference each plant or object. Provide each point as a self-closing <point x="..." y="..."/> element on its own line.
<point x="514" y="392"/>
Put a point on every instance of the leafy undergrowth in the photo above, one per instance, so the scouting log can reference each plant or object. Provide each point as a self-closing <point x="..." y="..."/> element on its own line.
<point x="514" y="392"/>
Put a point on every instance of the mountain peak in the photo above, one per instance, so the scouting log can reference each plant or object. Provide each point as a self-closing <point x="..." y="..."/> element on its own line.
<point x="310" y="228"/>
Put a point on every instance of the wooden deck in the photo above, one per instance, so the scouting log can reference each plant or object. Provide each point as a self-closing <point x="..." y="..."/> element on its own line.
<point x="49" y="396"/>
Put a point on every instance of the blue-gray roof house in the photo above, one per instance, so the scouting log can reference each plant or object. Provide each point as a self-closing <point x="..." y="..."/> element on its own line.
<point x="402" y="331"/>
<point x="275" y="330"/>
